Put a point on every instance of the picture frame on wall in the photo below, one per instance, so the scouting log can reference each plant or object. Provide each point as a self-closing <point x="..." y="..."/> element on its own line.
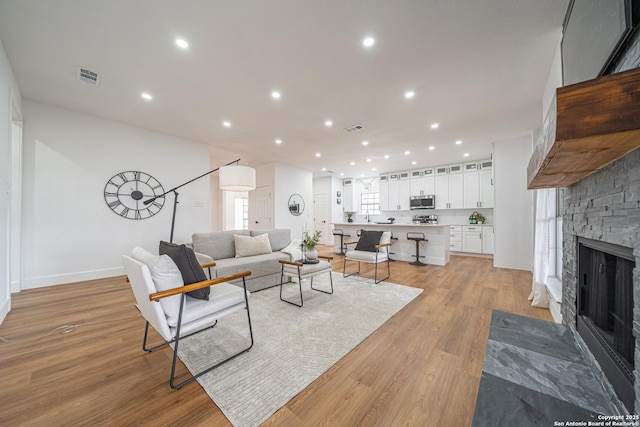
<point x="339" y="194"/>
<point x="338" y="200"/>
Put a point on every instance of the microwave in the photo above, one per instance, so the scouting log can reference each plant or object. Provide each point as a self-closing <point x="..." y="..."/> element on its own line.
<point x="422" y="202"/>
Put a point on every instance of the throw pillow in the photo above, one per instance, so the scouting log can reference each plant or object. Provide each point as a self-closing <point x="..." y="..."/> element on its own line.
<point x="248" y="246"/>
<point x="165" y="276"/>
<point x="368" y="239"/>
<point x="188" y="265"/>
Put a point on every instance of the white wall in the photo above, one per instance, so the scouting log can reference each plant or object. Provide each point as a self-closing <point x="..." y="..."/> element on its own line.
<point x="70" y="234"/>
<point x="554" y="81"/>
<point x="292" y="180"/>
<point x="10" y="101"/>
<point x="513" y="209"/>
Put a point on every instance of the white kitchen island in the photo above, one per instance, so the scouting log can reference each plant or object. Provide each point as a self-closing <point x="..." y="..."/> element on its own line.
<point x="436" y="251"/>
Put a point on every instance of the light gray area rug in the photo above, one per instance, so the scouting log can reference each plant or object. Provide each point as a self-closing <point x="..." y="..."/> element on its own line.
<point x="293" y="346"/>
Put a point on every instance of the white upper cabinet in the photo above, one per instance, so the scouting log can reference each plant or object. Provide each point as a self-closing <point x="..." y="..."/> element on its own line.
<point x="478" y="184"/>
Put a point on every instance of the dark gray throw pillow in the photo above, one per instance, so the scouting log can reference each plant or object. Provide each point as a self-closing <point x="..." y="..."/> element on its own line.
<point x="368" y="239"/>
<point x="188" y="265"/>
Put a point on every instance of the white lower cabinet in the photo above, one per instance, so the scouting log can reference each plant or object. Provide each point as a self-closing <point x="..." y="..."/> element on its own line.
<point x="455" y="238"/>
<point x="487" y="240"/>
<point x="472" y="238"/>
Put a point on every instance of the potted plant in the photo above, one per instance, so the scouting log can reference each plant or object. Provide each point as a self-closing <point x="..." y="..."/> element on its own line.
<point x="476" y="218"/>
<point x="310" y="243"/>
<point x="349" y="215"/>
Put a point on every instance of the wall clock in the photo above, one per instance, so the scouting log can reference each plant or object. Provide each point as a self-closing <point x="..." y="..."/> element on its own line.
<point x="126" y="192"/>
<point x="296" y="204"/>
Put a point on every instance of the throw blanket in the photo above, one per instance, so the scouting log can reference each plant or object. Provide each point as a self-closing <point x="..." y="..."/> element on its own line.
<point x="293" y="250"/>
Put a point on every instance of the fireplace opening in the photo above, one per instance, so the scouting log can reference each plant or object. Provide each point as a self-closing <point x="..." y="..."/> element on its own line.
<point x="605" y="311"/>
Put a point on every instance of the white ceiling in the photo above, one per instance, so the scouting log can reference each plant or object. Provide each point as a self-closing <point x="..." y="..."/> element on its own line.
<point x="478" y="68"/>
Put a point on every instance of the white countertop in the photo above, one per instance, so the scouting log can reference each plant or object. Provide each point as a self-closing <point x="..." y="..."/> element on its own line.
<point x="395" y="224"/>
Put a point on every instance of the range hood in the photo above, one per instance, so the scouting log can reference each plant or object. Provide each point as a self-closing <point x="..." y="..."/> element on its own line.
<point x="590" y="125"/>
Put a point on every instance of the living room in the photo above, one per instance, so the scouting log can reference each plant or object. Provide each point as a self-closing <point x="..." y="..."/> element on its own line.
<point x="74" y="136"/>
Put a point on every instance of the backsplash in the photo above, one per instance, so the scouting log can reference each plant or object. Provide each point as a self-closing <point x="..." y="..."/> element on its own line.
<point x="445" y="217"/>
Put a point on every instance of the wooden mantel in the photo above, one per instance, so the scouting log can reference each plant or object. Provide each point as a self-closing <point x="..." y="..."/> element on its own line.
<point x="593" y="124"/>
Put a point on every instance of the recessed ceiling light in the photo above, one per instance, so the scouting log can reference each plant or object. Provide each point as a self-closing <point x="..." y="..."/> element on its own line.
<point x="275" y="94"/>
<point x="328" y="123"/>
<point x="373" y="169"/>
<point x="278" y="141"/>
<point x="434" y="126"/>
<point x="431" y="147"/>
<point x="466" y="154"/>
<point x="386" y="156"/>
<point x="369" y="160"/>
<point x="146" y="96"/>
<point x="361" y="175"/>
<point x="341" y="173"/>
<point x="407" y="152"/>
<point x="352" y="163"/>
<point x="365" y="142"/>
<point x="324" y="169"/>
<point x="409" y="94"/>
<point x="414" y="162"/>
<point x="318" y="154"/>
<point x="458" y="142"/>
<point x="368" y="42"/>
<point x="226" y="124"/>
<point x="182" y="44"/>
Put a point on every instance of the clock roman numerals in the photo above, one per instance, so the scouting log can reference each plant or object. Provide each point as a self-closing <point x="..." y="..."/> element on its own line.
<point x="125" y="192"/>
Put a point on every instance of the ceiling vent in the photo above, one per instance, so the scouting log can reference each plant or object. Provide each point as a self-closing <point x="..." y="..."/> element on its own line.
<point x="88" y="76"/>
<point x="354" y="128"/>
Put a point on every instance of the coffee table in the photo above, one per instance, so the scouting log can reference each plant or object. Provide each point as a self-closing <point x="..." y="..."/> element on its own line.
<point x="305" y="270"/>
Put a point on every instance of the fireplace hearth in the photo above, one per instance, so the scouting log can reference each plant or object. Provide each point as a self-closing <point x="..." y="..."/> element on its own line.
<point x="605" y="311"/>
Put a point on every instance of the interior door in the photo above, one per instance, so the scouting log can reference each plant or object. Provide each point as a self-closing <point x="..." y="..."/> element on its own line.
<point x="263" y="218"/>
<point x="321" y="217"/>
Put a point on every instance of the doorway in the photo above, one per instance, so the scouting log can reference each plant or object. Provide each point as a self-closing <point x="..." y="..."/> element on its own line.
<point x="321" y="217"/>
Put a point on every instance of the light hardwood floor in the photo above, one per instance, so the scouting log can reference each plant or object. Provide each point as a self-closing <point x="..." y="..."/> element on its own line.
<point x="421" y="368"/>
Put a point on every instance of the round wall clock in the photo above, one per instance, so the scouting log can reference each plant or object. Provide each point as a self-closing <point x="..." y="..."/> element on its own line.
<point x="296" y="204"/>
<point x="126" y="192"/>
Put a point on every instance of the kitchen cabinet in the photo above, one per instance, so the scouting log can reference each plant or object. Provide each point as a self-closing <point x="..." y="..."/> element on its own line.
<point x="478" y="185"/>
<point x="348" y="190"/>
<point x="383" y="186"/>
<point x="449" y="191"/>
<point x="423" y="182"/>
<point x="399" y="191"/>
<point x="472" y="238"/>
<point x="487" y="239"/>
<point x="455" y="238"/>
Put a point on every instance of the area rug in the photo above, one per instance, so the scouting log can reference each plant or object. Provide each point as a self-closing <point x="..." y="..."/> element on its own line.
<point x="293" y="346"/>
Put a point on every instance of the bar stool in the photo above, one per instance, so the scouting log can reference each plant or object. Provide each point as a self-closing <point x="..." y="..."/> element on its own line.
<point x="392" y="253"/>
<point x="417" y="237"/>
<point x="342" y="234"/>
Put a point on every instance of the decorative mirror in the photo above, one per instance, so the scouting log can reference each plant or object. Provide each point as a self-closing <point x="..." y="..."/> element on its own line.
<point x="296" y="204"/>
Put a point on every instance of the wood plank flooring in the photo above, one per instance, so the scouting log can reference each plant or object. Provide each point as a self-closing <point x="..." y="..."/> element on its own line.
<point x="421" y="368"/>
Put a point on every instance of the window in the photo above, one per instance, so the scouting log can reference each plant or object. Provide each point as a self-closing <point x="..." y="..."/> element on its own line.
<point x="241" y="218"/>
<point x="370" y="203"/>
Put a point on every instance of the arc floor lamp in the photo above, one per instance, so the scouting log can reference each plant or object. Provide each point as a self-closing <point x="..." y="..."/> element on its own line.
<point x="233" y="177"/>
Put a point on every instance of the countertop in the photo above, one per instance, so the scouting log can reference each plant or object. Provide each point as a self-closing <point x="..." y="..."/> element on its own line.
<point x="395" y="224"/>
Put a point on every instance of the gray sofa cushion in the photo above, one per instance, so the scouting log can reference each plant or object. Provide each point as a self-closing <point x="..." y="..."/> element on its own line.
<point x="259" y="265"/>
<point x="279" y="238"/>
<point x="217" y="244"/>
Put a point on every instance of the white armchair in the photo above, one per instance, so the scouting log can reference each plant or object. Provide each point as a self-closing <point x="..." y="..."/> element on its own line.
<point x="162" y="300"/>
<point x="372" y="247"/>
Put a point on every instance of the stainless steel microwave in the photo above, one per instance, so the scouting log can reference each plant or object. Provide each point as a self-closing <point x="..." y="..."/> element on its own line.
<point x="422" y="202"/>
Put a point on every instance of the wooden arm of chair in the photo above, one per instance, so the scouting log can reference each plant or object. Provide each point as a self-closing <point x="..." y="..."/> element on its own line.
<point x="296" y="263"/>
<point x="349" y="243"/>
<point x="211" y="264"/>
<point x="382" y="245"/>
<point x="328" y="258"/>
<point x="194" y="286"/>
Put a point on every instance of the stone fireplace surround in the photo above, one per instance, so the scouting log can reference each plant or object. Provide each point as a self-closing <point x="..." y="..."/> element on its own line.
<point x="605" y="207"/>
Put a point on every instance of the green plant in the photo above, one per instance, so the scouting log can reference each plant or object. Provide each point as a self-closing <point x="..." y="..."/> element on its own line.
<point x="477" y="216"/>
<point x="349" y="214"/>
<point x="310" y="242"/>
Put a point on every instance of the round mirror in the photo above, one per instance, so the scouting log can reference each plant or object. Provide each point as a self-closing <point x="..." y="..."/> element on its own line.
<point x="296" y="204"/>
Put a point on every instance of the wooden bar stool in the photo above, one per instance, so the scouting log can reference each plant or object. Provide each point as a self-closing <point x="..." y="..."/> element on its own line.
<point x="342" y="234"/>
<point x="417" y="237"/>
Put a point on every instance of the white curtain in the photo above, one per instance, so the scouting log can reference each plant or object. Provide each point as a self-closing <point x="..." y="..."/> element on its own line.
<point x="543" y="254"/>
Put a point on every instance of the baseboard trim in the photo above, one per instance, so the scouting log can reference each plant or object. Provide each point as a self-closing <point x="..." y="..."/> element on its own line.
<point x="61" y="279"/>
<point x="4" y="310"/>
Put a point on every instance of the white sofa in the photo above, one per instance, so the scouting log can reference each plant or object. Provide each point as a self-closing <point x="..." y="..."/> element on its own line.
<point x="219" y="246"/>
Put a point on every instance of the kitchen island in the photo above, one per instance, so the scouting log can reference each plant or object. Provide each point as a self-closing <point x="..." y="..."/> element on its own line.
<point x="436" y="251"/>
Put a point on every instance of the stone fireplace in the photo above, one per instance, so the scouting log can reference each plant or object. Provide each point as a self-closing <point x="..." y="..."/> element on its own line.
<point x="604" y="207"/>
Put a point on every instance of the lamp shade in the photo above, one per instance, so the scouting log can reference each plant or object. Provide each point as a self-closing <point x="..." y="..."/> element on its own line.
<point x="237" y="178"/>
